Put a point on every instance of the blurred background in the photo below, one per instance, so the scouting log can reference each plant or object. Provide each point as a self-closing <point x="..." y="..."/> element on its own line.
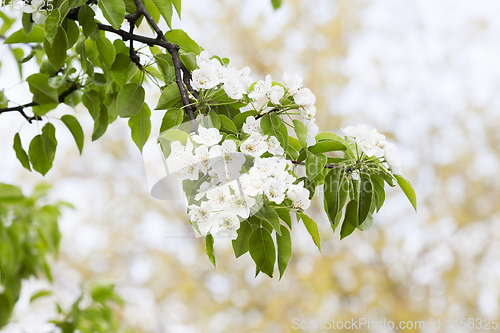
<point x="425" y="73"/>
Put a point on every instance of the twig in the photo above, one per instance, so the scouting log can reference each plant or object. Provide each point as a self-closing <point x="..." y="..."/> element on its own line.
<point x="20" y="108"/>
<point x="327" y="166"/>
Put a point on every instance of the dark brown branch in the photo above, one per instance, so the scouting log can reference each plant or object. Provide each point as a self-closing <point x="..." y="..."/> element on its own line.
<point x="20" y="108"/>
<point x="173" y="49"/>
<point x="132" y="19"/>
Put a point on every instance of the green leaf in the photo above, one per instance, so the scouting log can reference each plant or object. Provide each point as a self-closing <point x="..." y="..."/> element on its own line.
<point x="51" y="25"/>
<point x="123" y="69"/>
<point x="241" y="118"/>
<point x="113" y="11"/>
<point x="175" y="135"/>
<point x="276" y="4"/>
<point x="130" y="100"/>
<point x="301" y="131"/>
<point x="42" y="92"/>
<point x="227" y="124"/>
<point x="284" y="244"/>
<point x="315" y="164"/>
<point x="268" y="214"/>
<point x="72" y="31"/>
<point x="179" y="37"/>
<point x="86" y="20"/>
<point x="35" y="36"/>
<point x="177" y="5"/>
<point x="262" y="250"/>
<point x="140" y="125"/>
<point x="7" y="23"/>
<point x="39" y="294"/>
<point x="106" y="51"/>
<point x="169" y="96"/>
<point x="4" y="102"/>
<point x="172" y="118"/>
<point x="408" y="190"/>
<point x="378" y="186"/>
<point x="215" y="119"/>
<point x="365" y="198"/>
<point x="351" y="219"/>
<point x="331" y="188"/>
<point x="21" y="153"/>
<point x="56" y="52"/>
<point x="240" y="244"/>
<point x="75" y="128"/>
<point x="312" y="229"/>
<point x="42" y="149"/>
<point x="326" y="146"/>
<point x="284" y="215"/>
<point x="101" y="122"/>
<point x="10" y="192"/>
<point x="209" y="240"/>
<point x="165" y="9"/>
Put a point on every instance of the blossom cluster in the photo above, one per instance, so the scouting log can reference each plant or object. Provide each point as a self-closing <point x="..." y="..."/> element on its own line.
<point x="235" y="181"/>
<point x="373" y="143"/>
<point x="264" y="95"/>
<point x="38" y="14"/>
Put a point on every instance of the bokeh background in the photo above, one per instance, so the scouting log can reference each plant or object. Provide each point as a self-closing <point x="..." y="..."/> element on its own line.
<point x="425" y="73"/>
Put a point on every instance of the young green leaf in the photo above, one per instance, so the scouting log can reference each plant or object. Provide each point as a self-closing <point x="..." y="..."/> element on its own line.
<point x="179" y="37"/>
<point x="326" y="146"/>
<point x="177" y="5"/>
<point x="365" y="198"/>
<point x="42" y="92"/>
<point x="174" y="134"/>
<point x="56" y="52"/>
<point x="169" y="96"/>
<point x="315" y="164"/>
<point x="312" y="228"/>
<point x="227" y="124"/>
<point x="76" y="130"/>
<point x="284" y="244"/>
<point x="240" y="244"/>
<point x="51" y="25"/>
<point x="106" y="51"/>
<point x="408" y="190"/>
<point x="35" y="36"/>
<point x="165" y="9"/>
<point x="351" y="219"/>
<point x="378" y="187"/>
<point x="130" y="100"/>
<point x="284" y="215"/>
<point x="113" y="11"/>
<point x="209" y="248"/>
<point x="140" y="125"/>
<point x="215" y="119"/>
<point x="42" y="149"/>
<point x="268" y="214"/>
<point x="21" y="153"/>
<point x="331" y="188"/>
<point x="241" y="118"/>
<point x="276" y="4"/>
<point x="172" y="118"/>
<point x="123" y="69"/>
<point x="301" y="131"/>
<point x="262" y="250"/>
<point x="86" y="20"/>
<point x="101" y="122"/>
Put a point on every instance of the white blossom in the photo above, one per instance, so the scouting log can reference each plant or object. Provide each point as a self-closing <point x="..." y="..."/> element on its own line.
<point x="299" y="196"/>
<point x="369" y="141"/>
<point x="392" y="158"/>
<point x="304" y="97"/>
<point x="203" y="61"/>
<point x="205" y="78"/>
<point x="312" y="131"/>
<point x="233" y="88"/>
<point x="225" y="225"/>
<point x="255" y="145"/>
<point x="261" y="88"/>
<point x="207" y="136"/>
<point x="292" y="82"/>
<point x="38" y="16"/>
<point x="275" y="191"/>
<point x="240" y="204"/>
<point x="252" y="126"/>
<point x="274" y="146"/>
<point x="275" y="94"/>
<point x="202" y="216"/>
<point x="217" y="196"/>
